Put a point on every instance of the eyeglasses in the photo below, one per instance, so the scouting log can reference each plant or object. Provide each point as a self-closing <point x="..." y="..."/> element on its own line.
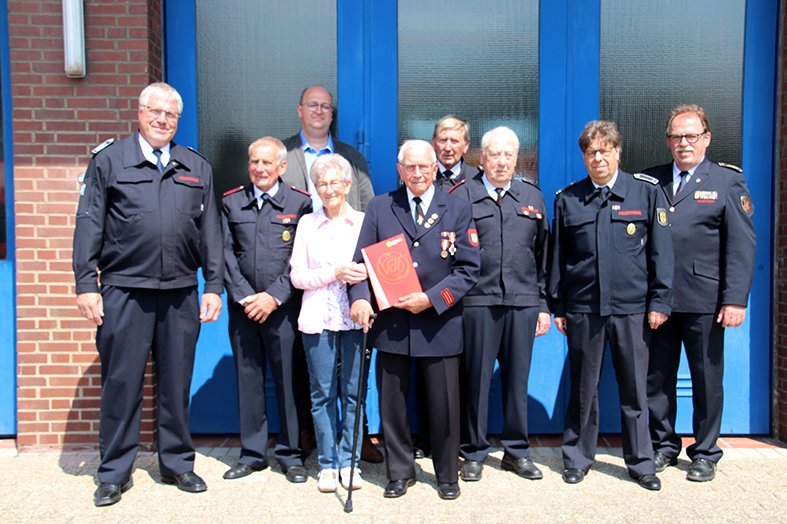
<point x="334" y="185"/>
<point x="314" y="106"/>
<point x="691" y="138"/>
<point x="605" y="153"/>
<point x="156" y="113"/>
<point x="412" y="168"/>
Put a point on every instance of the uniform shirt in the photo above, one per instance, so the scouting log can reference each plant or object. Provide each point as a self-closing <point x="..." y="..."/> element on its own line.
<point x="258" y="241"/>
<point x="142" y="229"/>
<point x="513" y="241"/>
<point x="613" y="256"/>
<point x="320" y="245"/>
<point x="713" y="236"/>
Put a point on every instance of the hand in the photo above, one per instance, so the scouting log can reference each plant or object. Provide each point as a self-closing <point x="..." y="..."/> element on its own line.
<point x="656" y="319"/>
<point x="361" y="313"/>
<point x="542" y="326"/>
<point x="259" y="306"/>
<point x="731" y="315"/>
<point x="352" y="273"/>
<point x="210" y="307"/>
<point x="91" y="306"/>
<point x="560" y="324"/>
<point x="414" y="302"/>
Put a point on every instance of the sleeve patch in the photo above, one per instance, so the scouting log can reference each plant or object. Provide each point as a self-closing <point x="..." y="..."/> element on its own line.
<point x="472" y="237"/>
<point x="746" y="205"/>
<point x="448" y="297"/>
<point x="647" y="178"/>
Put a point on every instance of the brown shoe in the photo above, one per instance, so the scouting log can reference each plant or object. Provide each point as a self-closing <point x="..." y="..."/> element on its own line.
<point x="369" y="452"/>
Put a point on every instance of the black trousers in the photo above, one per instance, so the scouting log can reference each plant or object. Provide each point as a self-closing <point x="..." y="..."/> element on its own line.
<point x="505" y="334"/>
<point x="703" y="339"/>
<point x="628" y="336"/>
<point x="441" y="376"/>
<point x="252" y="343"/>
<point x="136" y="322"/>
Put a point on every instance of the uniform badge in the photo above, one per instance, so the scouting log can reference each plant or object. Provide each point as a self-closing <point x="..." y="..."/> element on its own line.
<point x="706" y="197"/>
<point x="447" y="243"/>
<point x="661" y="216"/>
<point x="472" y="237"/>
<point x="631" y="229"/>
<point x="286" y="236"/>
<point x="443" y="254"/>
<point x="746" y="205"/>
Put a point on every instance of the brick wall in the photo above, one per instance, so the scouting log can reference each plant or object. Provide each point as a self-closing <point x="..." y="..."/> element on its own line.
<point x="57" y="121"/>
<point x="780" y="336"/>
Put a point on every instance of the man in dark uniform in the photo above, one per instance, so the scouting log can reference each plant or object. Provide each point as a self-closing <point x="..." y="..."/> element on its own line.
<point x="710" y="212"/>
<point x="259" y="228"/>
<point x="424" y="326"/>
<point x="507" y="309"/>
<point x="451" y="140"/>
<point x="147" y="221"/>
<point x="609" y="281"/>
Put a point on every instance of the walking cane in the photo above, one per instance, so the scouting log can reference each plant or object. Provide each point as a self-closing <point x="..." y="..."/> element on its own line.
<point x="365" y="358"/>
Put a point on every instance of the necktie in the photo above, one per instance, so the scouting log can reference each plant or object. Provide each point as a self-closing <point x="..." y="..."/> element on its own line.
<point x="265" y="197"/>
<point x="448" y="174"/>
<point x="499" y="191"/>
<point x="684" y="177"/>
<point x="159" y="165"/>
<point x="419" y="211"/>
<point x="604" y="193"/>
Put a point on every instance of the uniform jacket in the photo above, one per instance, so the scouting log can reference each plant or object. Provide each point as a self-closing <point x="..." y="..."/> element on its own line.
<point x="436" y="331"/>
<point x="466" y="173"/>
<point x="258" y="242"/>
<point x="145" y="230"/>
<point x="713" y="236"/>
<point x="611" y="257"/>
<point x="296" y="175"/>
<point x="513" y="242"/>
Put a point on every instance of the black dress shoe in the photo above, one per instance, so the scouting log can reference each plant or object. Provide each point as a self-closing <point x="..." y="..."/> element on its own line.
<point x="188" y="481"/>
<point x="649" y="482"/>
<point x="369" y="452"/>
<point x="573" y="475"/>
<point x="448" y="490"/>
<point x="471" y="471"/>
<point x="242" y="470"/>
<point x="109" y="493"/>
<point x="397" y="488"/>
<point x="662" y="461"/>
<point x="522" y="466"/>
<point x="296" y="474"/>
<point x="701" y="470"/>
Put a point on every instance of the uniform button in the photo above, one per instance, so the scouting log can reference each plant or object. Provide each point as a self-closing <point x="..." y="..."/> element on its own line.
<point x="415" y="244"/>
<point x="415" y="264"/>
<point x="672" y="210"/>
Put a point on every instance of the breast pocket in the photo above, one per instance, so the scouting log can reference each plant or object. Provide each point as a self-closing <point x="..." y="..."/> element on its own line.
<point x="629" y="234"/>
<point x="132" y="192"/>
<point x="581" y="229"/>
<point x="188" y="194"/>
<point x="527" y="225"/>
<point x="283" y="233"/>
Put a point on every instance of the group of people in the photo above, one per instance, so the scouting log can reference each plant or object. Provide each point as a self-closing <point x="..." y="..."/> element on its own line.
<point x="643" y="263"/>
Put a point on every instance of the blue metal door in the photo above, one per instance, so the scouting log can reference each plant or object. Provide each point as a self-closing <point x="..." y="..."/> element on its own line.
<point x="568" y="98"/>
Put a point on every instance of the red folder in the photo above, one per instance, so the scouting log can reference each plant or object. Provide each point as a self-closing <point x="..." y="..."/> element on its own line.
<point x="391" y="271"/>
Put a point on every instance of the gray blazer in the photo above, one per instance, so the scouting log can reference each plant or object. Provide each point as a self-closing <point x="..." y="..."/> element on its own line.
<point x="296" y="175"/>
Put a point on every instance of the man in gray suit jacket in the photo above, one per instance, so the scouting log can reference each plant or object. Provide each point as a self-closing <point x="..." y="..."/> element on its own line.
<point x="315" y="112"/>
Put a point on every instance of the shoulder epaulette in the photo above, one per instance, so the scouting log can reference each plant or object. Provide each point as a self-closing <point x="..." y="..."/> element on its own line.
<point x="233" y="190"/>
<point x="647" y="178"/>
<point x="460" y="183"/>
<point x="198" y="154"/>
<point x="103" y="145"/>
<point x="302" y="191"/>
<point x="528" y="182"/>
<point x="569" y="185"/>
<point x="731" y="166"/>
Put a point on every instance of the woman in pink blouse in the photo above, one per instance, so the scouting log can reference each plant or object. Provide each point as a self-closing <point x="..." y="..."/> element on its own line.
<point x="322" y="266"/>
